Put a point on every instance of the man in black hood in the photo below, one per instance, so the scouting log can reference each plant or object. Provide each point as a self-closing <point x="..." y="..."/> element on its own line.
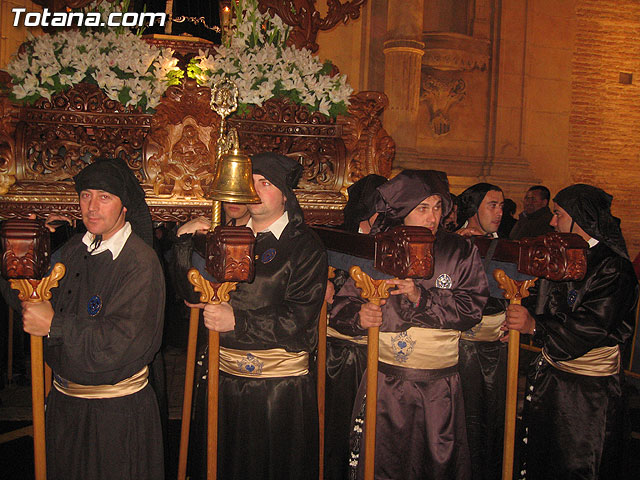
<point x="361" y="206"/>
<point x="483" y="356"/>
<point x="420" y="431"/>
<point x="103" y="327"/>
<point x="346" y="355"/>
<point x="268" y="421"/>
<point x="480" y="210"/>
<point x="573" y="406"/>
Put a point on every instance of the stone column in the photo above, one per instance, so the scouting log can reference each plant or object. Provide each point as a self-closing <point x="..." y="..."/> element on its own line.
<point x="403" y="51"/>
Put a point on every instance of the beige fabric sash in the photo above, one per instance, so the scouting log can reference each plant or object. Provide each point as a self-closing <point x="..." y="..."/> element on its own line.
<point x="423" y="348"/>
<point x="598" y="362"/>
<point x="333" y="333"/>
<point x="125" y="387"/>
<point x="275" y="362"/>
<point x="488" y="330"/>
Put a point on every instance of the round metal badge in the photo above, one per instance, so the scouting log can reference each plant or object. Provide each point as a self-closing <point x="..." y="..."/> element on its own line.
<point x="572" y="296"/>
<point x="94" y="305"/>
<point x="268" y="255"/>
<point x="444" y="281"/>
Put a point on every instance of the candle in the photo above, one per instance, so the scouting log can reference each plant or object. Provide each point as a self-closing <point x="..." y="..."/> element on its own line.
<point x="226" y="16"/>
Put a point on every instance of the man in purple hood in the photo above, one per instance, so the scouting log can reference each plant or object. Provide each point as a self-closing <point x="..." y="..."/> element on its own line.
<point x="421" y="430"/>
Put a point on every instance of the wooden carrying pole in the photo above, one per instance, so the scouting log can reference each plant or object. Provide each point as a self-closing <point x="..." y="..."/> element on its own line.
<point x="554" y="256"/>
<point x="212" y="404"/>
<point x="188" y="392"/>
<point x="514" y="292"/>
<point x="402" y="252"/>
<point x="321" y="384"/>
<point x="213" y="293"/>
<point x="38" y="291"/>
<point x="322" y="378"/>
<point x="374" y="291"/>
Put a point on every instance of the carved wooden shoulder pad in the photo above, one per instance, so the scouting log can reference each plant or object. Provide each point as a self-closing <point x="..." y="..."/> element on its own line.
<point x="25" y="249"/>
<point x="555" y="256"/>
<point x="229" y="254"/>
<point x="405" y="252"/>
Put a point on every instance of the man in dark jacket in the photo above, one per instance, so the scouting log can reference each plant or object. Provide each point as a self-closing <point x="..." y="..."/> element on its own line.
<point x="103" y="327"/>
<point x="535" y="218"/>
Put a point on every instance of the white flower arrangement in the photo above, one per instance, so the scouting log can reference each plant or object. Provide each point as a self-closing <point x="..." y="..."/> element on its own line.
<point x="257" y="60"/>
<point x="123" y="65"/>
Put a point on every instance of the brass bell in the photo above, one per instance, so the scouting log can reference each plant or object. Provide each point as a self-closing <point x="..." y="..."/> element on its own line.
<point x="233" y="181"/>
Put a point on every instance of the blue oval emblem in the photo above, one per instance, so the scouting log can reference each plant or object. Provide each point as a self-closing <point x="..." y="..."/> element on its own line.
<point x="572" y="297"/>
<point x="444" y="281"/>
<point x="268" y="255"/>
<point x="94" y="305"/>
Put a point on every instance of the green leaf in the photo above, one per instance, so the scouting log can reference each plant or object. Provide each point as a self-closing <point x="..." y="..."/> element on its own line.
<point x="121" y="74"/>
<point x="327" y="67"/>
<point x="174" y="76"/>
<point x="193" y="69"/>
<point x="243" y="109"/>
<point x="339" y="108"/>
<point x="123" y="96"/>
<point x="29" y="100"/>
<point x="68" y="71"/>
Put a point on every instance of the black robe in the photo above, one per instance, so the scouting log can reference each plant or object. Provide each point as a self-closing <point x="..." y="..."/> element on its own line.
<point x="268" y="427"/>
<point x="483" y="372"/>
<point x="116" y="437"/>
<point x="345" y="366"/>
<point x="573" y="423"/>
<point x="421" y="430"/>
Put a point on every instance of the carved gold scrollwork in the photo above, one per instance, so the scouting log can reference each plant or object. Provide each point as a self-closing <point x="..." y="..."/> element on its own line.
<point x="513" y="290"/>
<point x="38" y="290"/>
<point x="372" y="290"/>
<point x="369" y="148"/>
<point x="306" y="20"/>
<point x="8" y="120"/>
<point x="210" y="292"/>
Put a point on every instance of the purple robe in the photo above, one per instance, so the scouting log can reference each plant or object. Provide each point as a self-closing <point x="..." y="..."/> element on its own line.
<point x="421" y="431"/>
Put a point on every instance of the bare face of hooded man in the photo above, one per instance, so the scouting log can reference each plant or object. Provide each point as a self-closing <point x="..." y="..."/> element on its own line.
<point x="272" y="203"/>
<point x="427" y="214"/>
<point x="489" y="212"/>
<point x="562" y="222"/>
<point x="102" y="212"/>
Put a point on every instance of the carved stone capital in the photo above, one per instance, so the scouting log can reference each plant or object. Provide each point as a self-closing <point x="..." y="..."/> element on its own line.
<point x="454" y="51"/>
<point x="440" y="95"/>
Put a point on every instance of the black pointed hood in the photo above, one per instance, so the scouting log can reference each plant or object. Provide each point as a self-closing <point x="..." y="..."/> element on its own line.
<point x="113" y="175"/>
<point x="361" y="205"/>
<point x="284" y="173"/>
<point x="590" y="207"/>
